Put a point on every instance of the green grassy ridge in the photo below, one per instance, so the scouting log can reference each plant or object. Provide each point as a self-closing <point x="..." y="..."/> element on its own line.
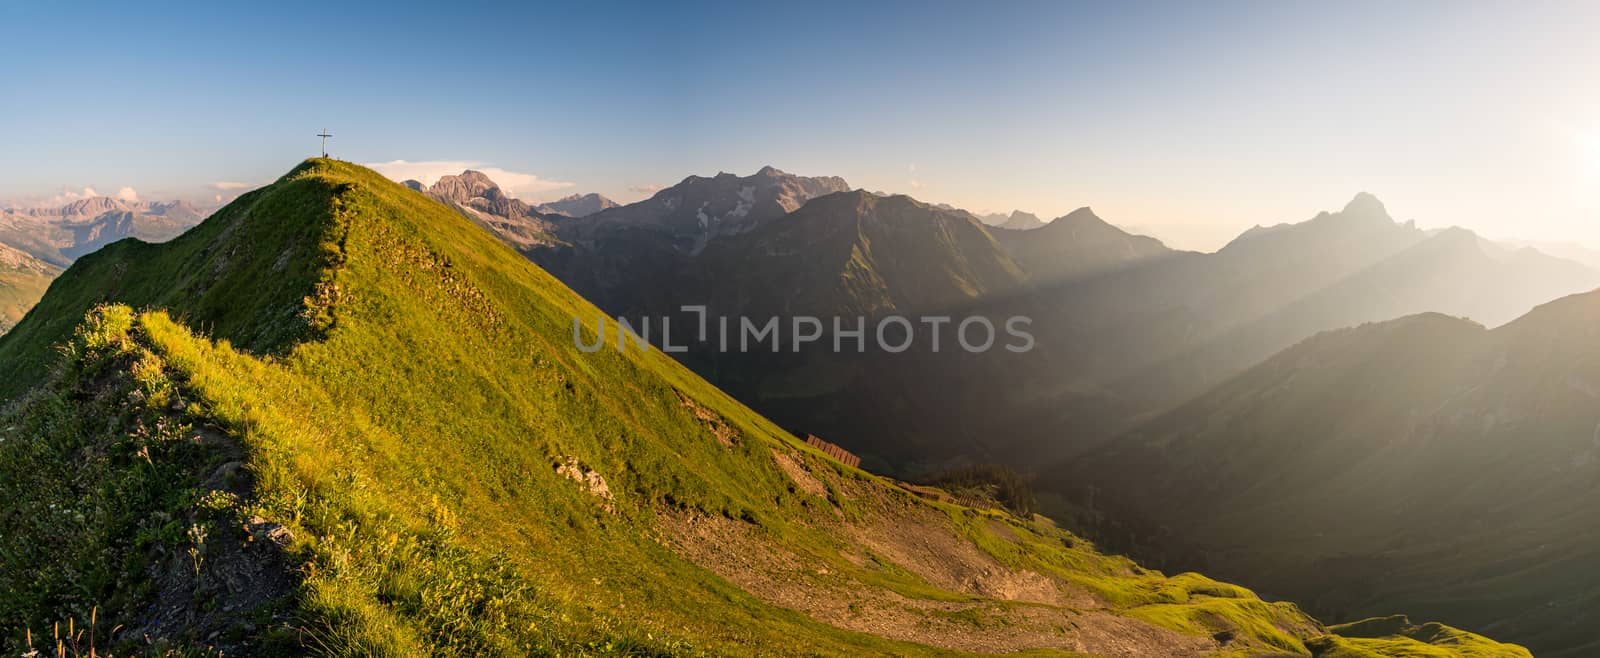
<point x="1397" y="636"/>
<point x="87" y="499"/>
<point x="402" y="392"/>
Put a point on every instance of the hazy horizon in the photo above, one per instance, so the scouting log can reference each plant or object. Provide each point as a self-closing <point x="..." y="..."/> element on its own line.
<point x="1187" y="123"/>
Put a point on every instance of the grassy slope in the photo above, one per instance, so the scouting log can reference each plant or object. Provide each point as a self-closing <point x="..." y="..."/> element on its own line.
<point x="1397" y="636"/>
<point x="401" y="388"/>
<point x="23" y="280"/>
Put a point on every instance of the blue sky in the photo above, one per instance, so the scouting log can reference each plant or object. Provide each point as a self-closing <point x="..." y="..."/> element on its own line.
<point x="1193" y="122"/>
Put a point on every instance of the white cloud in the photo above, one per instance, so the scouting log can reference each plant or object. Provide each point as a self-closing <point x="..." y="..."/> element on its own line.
<point x="128" y="194"/>
<point x="647" y="190"/>
<point x="527" y="187"/>
<point x="65" y="196"/>
<point x="914" y="182"/>
<point x="230" y="190"/>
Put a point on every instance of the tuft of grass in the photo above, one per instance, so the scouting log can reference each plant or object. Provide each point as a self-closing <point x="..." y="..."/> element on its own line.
<point x="70" y="640"/>
<point x="1397" y="636"/>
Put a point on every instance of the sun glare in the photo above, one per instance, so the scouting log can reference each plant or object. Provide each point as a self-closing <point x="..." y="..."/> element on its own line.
<point x="1589" y="152"/>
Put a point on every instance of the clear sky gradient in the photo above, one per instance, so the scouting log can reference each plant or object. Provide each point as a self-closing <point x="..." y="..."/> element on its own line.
<point x="1190" y="120"/>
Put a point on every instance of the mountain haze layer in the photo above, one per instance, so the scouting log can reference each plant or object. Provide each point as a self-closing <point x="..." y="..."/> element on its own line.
<point x="35" y="243"/>
<point x="1453" y="272"/>
<point x="1425" y="464"/>
<point x="700" y="209"/>
<point x="58" y="235"/>
<point x="577" y="205"/>
<point x="855" y="254"/>
<point x="618" y="256"/>
<point x="1154" y="335"/>
<point x="1075" y="245"/>
<point x="1125" y="326"/>
<point x="1017" y="220"/>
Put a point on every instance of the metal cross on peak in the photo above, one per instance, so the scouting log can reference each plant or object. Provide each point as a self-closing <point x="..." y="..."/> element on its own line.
<point x="324" y="135"/>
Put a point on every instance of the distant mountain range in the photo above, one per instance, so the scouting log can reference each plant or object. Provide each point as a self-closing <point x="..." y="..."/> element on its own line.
<point x="618" y="257"/>
<point x="1571" y="251"/>
<point x="37" y="242"/>
<point x="58" y="235"/>
<point x="698" y="210"/>
<point x="1126" y="326"/>
<point x="577" y="205"/>
<point x="1017" y="220"/>
<point x="853" y="254"/>
<point x="1075" y="245"/>
<point x="1425" y="464"/>
<point x="1167" y="331"/>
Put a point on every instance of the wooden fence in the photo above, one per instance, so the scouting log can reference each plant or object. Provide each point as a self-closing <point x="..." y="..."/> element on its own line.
<point x="834" y="451"/>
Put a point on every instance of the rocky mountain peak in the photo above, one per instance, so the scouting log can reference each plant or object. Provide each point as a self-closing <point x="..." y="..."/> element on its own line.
<point x="1365" y="205"/>
<point x="16" y="260"/>
<point x="476" y="177"/>
<point x="577" y="205"/>
<point x="1022" y="221"/>
<point x="466" y="185"/>
<point x="700" y="209"/>
<point x="1084" y="214"/>
<point x="92" y="206"/>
